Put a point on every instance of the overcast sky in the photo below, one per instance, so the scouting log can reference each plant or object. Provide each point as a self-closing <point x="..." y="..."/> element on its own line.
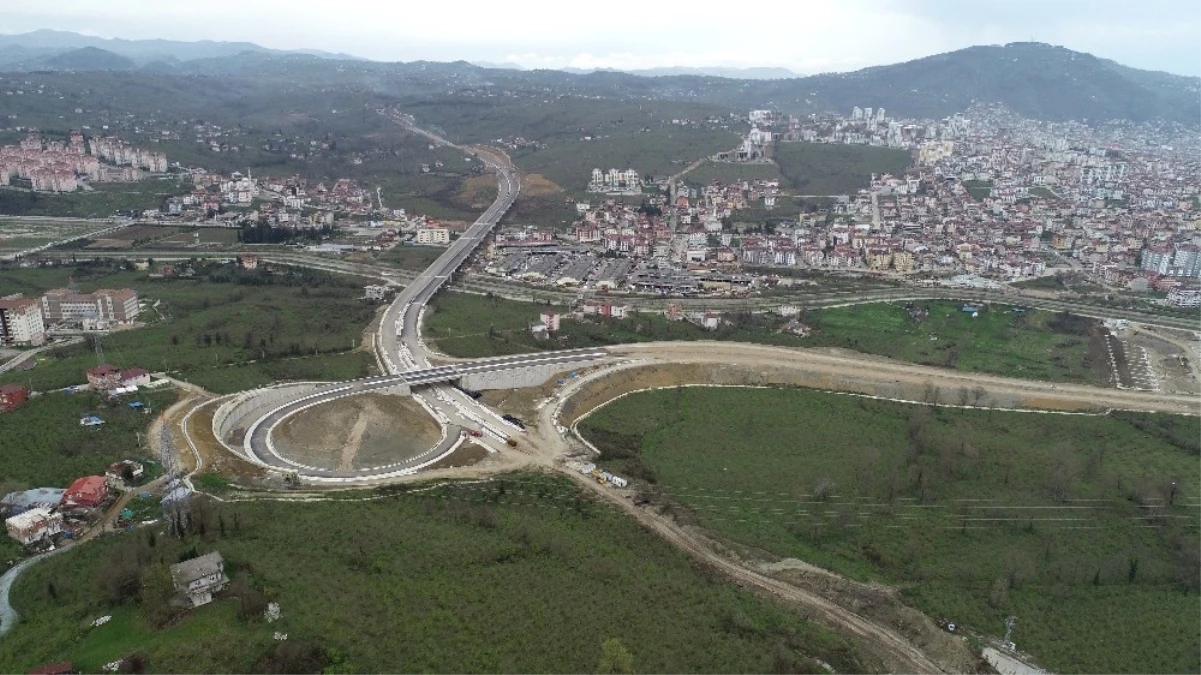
<point x="806" y="36"/>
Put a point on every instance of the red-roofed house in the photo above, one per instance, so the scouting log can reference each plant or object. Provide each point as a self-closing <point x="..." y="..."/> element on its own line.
<point x="134" y="377"/>
<point x="12" y="396"/>
<point x="87" y="492"/>
<point x="103" y="376"/>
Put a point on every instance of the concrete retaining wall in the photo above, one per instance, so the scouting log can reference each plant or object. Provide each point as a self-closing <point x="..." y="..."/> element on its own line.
<point x="519" y="378"/>
<point x="242" y="410"/>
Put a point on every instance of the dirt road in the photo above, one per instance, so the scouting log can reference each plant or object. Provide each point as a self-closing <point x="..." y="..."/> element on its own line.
<point x="845" y="368"/>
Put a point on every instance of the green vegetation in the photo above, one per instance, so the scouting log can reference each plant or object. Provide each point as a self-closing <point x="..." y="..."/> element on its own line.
<point x="835" y="169"/>
<point x="1042" y="192"/>
<point x="414" y="258"/>
<point x="1052" y="282"/>
<point x="207" y="328"/>
<point x="466" y="578"/>
<point x="659" y="152"/>
<point x="472" y="326"/>
<point x="45" y="446"/>
<point x="1085" y="528"/>
<point x="730" y="173"/>
<point x="978" y="189"/>
<point x="22" y="235"/>
<point x="102" y="202"/>
<point x="1001" y="340"/>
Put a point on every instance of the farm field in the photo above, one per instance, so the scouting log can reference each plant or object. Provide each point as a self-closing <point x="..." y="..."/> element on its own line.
<point x="1071" y="523"/>
<point x="729" y="173"/>
<point x="482" y="577"/>
<point x="22" y="235"/>
<point x="102" y="202"/>
<point x="45" y="446"/>
<point x="830" y="169"/>
<point x="206" y="331"/>
<point x="1034" y="345"/>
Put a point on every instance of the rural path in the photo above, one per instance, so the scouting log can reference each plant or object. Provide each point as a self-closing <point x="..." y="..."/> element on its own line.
<point x="904" y="656"/>
<point x="8" y="615"/>
<point x="844" y="368"/>
<point x="354" y="440"/>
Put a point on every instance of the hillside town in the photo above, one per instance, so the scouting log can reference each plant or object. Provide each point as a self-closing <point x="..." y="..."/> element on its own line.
<point x="991" y="198"/>
<point x="44" y="165"/>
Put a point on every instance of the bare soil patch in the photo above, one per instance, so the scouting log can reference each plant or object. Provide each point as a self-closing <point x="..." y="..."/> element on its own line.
<point x="466" y="454"/>
<point x="478" y="190"/>
<point x="537" y="185"/>
<point x="358" y="432"/>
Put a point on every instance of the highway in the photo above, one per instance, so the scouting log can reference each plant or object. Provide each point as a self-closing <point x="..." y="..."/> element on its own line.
<point x="400" y="348"/>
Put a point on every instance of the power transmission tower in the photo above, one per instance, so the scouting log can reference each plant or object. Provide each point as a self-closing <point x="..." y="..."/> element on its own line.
<point x="99" y="351"/>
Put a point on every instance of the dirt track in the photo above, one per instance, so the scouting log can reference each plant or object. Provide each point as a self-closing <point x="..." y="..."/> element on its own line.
<point x="850" y="371"/>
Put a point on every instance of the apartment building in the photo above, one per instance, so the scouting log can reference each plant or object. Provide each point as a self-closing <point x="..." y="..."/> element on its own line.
<point x="21" y="321"/>
<point x="105" y="305"/>
<point x="433" y="235"/>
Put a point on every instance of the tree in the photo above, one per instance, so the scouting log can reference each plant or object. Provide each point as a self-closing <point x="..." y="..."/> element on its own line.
<point x="615" y="658"/>
<point x="156" y="592"/>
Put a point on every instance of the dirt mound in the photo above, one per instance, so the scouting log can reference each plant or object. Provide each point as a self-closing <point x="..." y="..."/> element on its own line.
<point x="537" y="185"/>
<point x="478" y="190"/>
<point x="358" y="432"/>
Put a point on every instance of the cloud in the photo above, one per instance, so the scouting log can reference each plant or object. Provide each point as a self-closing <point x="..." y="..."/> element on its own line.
<point x="807" y="37"/>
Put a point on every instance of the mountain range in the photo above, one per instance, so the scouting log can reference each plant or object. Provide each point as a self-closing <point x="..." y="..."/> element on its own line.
<point x="40" y="49"/>
<point x="1036" y="80"/>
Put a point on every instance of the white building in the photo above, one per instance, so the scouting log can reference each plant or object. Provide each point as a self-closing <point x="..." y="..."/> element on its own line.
<point x="551" y="321"/>
<point x="34" y="525"/>
<point x="433" y="235"/>
<point x="21" y="322"/>
<point x="197" y="579"/>
<point x="1178" y="297"/>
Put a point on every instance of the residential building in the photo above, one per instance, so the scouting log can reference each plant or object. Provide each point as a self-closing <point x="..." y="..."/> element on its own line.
<point x="21" y="322"/>
<point x="12" y="396"/>
<point x="104" y="305"/>
<point x="87" y="492"/>
<point x="550" y="320"/>
<point x="197" y="579"/>
<point x="433" y="235"/>
<point x="34" y="525"/>
<point x="1179" y="297"/>
<point x="103" y="376"/>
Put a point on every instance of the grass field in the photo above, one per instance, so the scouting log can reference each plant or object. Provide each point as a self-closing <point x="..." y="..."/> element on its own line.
<point x="411" y="257"/>
<point x="475" y="578"/>
<point x="976" y="515"/>
<point x="20" y="236"/>
<point x="836" y="169"/>
<point x="1033" y="345"/>
<point x="102" y="202"/>
<point x="44" y="445"/>
<point x="207" y="331"/>
<point x="660" y="152"/>
<point x="979" y="189"/>
<point x="726" y="172"/>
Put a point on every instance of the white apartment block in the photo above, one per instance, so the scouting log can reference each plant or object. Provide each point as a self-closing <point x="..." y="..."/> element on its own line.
<point x="104" y="305"/>
<point x="433" y="235"/>
<point x="21" y="322"/>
